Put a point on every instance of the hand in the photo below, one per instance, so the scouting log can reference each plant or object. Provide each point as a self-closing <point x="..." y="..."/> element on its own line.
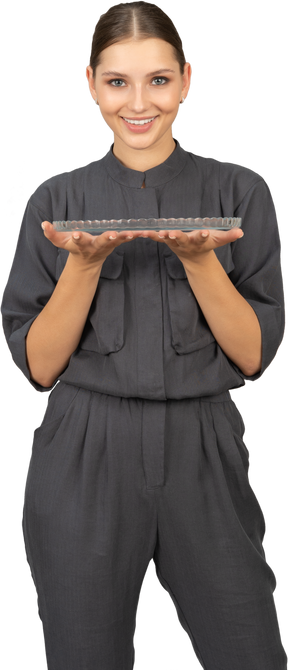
<point x="88" y="249"/>
<point x="195" y="245"/>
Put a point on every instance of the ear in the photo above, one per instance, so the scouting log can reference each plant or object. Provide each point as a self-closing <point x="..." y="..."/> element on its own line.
<point x="186" y="78"/>
<point x="88" y="78"/>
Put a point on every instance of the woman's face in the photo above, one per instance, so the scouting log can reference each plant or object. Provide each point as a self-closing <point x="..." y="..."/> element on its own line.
<point x="139" y="80"/>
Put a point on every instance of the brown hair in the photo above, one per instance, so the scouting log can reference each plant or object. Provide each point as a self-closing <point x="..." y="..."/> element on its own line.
<point x="139" y="20"/>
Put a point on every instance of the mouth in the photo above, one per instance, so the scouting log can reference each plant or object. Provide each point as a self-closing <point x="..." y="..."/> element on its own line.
<point x="139" y="124"/>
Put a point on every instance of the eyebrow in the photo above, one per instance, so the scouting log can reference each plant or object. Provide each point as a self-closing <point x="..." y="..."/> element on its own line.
<point x="150" y="74"/>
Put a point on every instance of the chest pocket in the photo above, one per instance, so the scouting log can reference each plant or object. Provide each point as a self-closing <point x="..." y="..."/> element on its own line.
<point x="104" y="329"/>
<point x="190" y="331"/>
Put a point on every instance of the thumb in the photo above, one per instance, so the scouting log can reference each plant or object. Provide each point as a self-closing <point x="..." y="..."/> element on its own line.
<point x="46" y="225"/>
<point x="221" y="237"/>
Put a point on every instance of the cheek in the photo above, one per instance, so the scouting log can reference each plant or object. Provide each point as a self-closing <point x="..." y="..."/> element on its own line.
<point x="111" y="99"/>
<point x="168" y="101"/>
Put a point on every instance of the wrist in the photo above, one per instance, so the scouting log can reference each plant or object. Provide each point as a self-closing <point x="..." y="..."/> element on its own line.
<point x="203" y="261"/>
<point x="79" y="265"/>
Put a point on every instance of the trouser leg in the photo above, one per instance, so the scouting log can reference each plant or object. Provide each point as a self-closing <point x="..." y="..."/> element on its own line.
<point x="209" y="554"/>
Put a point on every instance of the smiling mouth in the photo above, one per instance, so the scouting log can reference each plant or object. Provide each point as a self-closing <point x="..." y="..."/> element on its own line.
<point x="141" y="121"/>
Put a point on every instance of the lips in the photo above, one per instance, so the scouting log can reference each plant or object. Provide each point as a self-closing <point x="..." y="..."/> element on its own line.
<point x="139" y="128"/>
<point x="144" y="119"/>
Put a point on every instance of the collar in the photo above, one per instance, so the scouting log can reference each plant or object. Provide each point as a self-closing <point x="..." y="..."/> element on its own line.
<point x="156" y="176"/>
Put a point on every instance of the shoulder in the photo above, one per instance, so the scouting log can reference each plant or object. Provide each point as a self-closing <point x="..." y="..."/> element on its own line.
<point x="226" y="169"/>
<point x="233" y="178"/>
<point x="56" y="190"/>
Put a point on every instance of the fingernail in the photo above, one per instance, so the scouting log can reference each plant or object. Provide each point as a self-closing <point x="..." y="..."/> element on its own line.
<point x="162" y="236"/>
<point x="43" y="225"/>
<point x="204" y="234"/>
<point x="130" y="237"/>
<point x="172" y="237"/>
<point x="242" y="233"/>
<point x="76" y="237"/>
<point x="112" y="238"/>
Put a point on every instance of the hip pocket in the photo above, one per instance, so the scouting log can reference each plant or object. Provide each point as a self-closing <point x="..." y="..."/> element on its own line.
<point x="104" y="329"/>
<point x="59" y="401"/>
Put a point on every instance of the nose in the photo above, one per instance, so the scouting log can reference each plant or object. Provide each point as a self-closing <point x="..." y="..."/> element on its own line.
<point x="139" y="100"/>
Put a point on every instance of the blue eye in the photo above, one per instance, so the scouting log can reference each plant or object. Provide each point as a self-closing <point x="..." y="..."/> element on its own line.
<point x="165" y="79"/>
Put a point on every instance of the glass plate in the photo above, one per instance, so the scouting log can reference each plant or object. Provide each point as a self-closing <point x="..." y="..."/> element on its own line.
<point x="148" y="224"/>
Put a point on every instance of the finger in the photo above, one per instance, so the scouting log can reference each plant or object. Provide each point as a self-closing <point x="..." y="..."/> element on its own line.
<point x="177" y="237"/>
<point x="221" y="237"/>
<point x="67" y="240"/>
<point x="59" y="239"/>
<point x="181" y="235"/>
<point x="181" y="238"/>
<point x="49" y="228"/>
<point x="171" y="236"/>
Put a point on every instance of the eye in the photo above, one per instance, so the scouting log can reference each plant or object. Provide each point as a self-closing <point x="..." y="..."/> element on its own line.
<point x="165" y="79"/>
<point x="117" y="81"/>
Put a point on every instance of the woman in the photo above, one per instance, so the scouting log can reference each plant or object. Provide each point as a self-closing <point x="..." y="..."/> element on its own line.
<point x="140" y="453"/>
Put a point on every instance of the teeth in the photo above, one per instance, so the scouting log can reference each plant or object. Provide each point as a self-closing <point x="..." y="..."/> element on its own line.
<point x="139" y="123"/>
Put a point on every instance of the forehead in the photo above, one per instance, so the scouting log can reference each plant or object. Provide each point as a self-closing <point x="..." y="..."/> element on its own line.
<point x="145" y="55"/>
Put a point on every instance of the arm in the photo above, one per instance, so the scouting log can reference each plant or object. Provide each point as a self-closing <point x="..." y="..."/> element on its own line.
<point x="56" y="331"/>
<point x="231" y="319"/>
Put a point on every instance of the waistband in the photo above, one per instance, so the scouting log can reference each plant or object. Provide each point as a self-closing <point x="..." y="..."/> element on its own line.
<point x="219" y="397"/>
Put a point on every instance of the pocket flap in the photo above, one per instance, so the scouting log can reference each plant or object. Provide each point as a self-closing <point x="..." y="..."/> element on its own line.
<point x="112" y="266"/>
<point x="175" y="267"/>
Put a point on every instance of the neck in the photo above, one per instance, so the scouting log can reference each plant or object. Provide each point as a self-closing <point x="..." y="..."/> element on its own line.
<point x="143" y="159"/>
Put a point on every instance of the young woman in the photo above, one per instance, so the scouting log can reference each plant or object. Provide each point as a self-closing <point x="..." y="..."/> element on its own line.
<point x="140" y="452"/>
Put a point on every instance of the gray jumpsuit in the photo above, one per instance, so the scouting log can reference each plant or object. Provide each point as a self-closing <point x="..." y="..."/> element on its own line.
<point x="140" y="453"/>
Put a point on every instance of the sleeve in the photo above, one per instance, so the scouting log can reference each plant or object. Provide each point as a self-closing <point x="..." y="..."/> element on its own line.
<point x="30" y="284"/>
<point x="257" y="270"/>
